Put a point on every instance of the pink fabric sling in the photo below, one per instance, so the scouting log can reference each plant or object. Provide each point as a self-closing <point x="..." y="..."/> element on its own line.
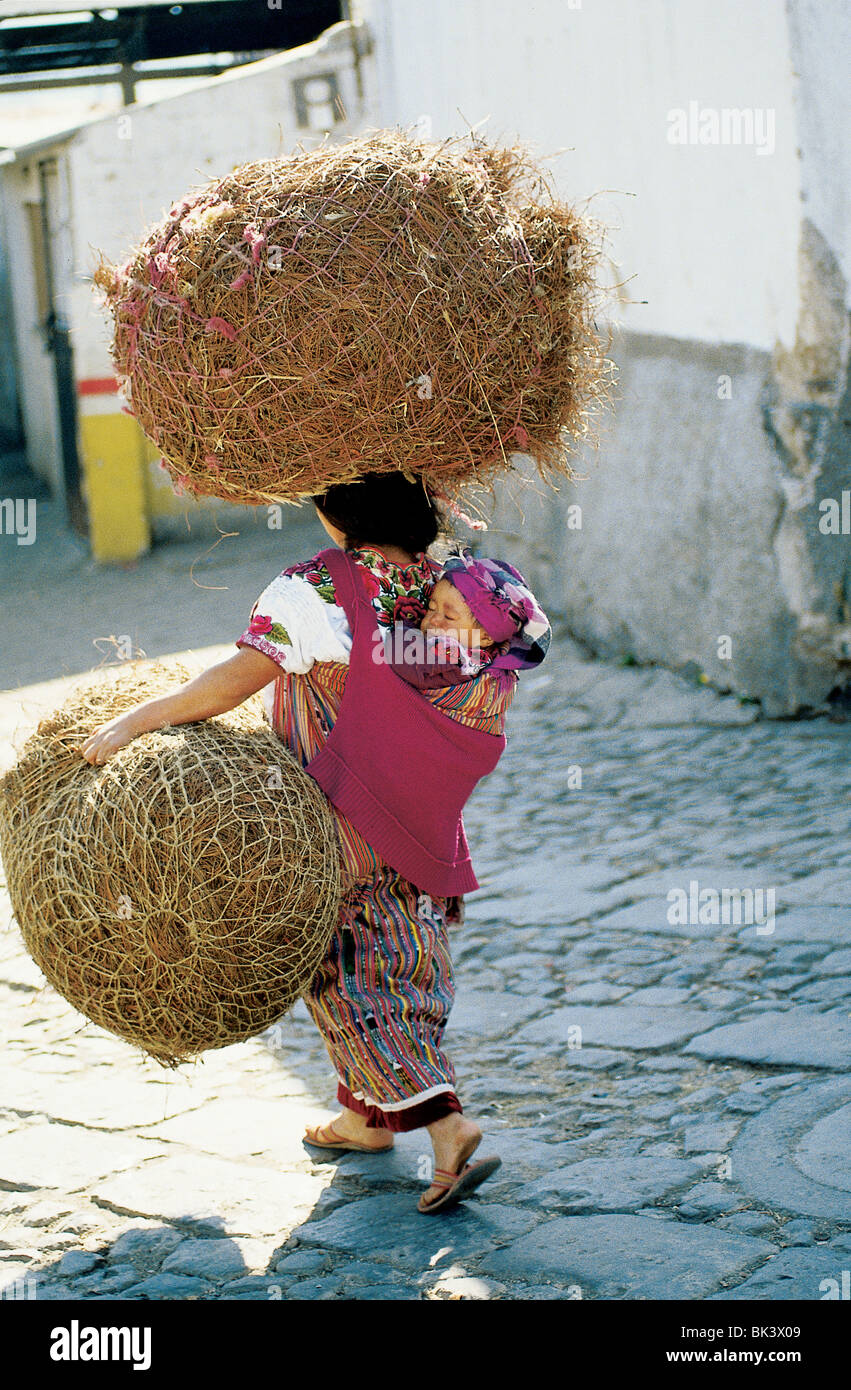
<point x="399" y="768"/>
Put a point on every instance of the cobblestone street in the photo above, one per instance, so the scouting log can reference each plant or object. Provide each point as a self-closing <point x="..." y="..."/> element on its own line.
<point x="670" y="1096"/>
<point x="457" y="386"/>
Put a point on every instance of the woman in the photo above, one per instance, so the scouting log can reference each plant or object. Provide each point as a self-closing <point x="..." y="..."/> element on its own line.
<point x="382" y="996"/>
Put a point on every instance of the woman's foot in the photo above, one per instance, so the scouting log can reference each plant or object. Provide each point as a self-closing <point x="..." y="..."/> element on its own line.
<point x="349" y="1128"/>
<point x="455" y="1140"/>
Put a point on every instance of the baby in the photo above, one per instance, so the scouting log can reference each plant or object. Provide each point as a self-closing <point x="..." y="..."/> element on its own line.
<point x="481" y="617"/>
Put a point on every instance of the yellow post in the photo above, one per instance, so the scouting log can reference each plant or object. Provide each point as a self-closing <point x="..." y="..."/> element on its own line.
<point x="114" y="464"/>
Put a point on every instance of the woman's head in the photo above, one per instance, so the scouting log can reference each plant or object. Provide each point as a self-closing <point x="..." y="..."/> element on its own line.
<point x="383" y="509"/>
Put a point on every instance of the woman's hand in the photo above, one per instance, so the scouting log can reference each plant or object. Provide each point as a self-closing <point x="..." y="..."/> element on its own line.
<point x="108" y="739"/>
<point x="213" y="692"/>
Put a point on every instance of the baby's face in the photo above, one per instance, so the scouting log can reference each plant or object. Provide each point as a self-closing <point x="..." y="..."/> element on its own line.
<point x="448" y="613"/>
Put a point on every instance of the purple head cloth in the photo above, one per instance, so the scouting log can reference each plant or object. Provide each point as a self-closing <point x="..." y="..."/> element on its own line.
<point x="502" y="603"/>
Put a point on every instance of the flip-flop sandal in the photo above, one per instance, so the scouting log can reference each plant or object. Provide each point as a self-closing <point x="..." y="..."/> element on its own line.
<point x="339" y="1142"/>
<point x="458" y="1185"/>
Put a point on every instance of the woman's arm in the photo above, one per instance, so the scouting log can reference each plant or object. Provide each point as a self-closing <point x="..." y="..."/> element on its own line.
<point x="218" y="689"/>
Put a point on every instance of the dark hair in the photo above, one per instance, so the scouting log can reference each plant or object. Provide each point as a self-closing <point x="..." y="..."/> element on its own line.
<point x="384" y="509"/>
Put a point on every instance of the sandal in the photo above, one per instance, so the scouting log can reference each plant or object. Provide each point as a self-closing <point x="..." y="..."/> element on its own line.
<point x="457" y="1185"/>
<point x="315" y="1137"/>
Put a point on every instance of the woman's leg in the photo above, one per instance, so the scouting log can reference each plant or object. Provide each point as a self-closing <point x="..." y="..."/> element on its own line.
<point x="454" y="1139"/>
<point x="381" y="1000"/>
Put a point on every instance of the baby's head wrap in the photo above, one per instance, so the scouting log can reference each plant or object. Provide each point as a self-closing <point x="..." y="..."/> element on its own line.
<point x="502" y="603"/>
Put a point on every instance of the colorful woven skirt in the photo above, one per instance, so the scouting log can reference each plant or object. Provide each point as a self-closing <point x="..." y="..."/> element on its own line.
<point x="381" y="999"/>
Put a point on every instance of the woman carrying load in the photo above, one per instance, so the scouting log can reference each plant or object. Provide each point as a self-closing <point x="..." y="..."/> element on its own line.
<point x="398" y="759"/>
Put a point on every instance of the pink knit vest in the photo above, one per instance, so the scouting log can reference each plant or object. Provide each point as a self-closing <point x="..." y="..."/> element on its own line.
<point x="399" y="768"/>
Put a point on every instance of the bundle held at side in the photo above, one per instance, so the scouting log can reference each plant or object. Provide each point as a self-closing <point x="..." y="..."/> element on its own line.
<point x="181" y="894"/>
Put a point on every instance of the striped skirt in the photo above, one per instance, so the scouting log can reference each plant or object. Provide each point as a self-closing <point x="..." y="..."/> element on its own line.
<point x="381" y="999"/>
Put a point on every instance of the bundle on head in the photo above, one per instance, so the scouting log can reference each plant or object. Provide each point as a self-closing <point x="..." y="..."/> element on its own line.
<point x="181" y="894"/>
<point x="389" y="303"/>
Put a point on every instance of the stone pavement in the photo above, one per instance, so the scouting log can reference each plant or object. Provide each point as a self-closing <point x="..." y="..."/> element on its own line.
<point x="670" y="1095"/>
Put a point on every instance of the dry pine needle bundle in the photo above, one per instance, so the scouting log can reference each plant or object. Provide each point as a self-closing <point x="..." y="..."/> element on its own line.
<point x="385" y="304"/>
<point x="181" y="894"/>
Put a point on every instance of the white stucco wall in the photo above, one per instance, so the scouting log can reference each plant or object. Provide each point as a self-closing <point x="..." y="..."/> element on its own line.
<point x="708" y="233"/>
<point x="820" y="39"/>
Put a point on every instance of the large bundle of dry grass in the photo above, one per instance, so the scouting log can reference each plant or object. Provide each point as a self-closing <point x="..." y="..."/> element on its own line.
<point x="181" y="894"/>
<point x="385" y="304"/>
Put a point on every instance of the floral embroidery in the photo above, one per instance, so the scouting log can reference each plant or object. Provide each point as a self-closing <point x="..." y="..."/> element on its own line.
<point x="261" y="625"/>
<point x="387" y="584"/>
<point x="397" y="593"/>
<point x="408" y="610"/>
<point x="317" y="576"/>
